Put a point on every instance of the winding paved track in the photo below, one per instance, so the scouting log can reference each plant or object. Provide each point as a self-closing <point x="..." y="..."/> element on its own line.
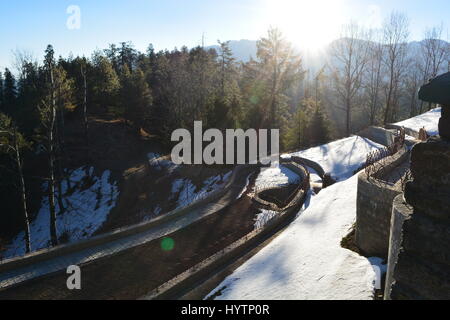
<point x="52" y="265"/>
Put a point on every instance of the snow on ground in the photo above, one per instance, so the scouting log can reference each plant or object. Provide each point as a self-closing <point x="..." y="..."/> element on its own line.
<point x="86" y="211"/>
<point x="245" y="188"/>
<point x="147" y="216"/>
<point x="264" y="217"/>
<point x="276" y="175"/>
<point x="307" y="261"/>
<point x="429" y="120"/>
<point x="160" y="164"/>
<point x="314" y="176"/>
<point x="186" y="190"/>
<point x="152" y="155"/>
<point x="342" y="157"/>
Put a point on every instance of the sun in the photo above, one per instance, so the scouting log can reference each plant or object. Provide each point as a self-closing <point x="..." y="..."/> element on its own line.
<point x="309" y="24"/>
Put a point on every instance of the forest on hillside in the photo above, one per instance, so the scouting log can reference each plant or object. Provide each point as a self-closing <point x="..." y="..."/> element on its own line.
<point x="371" y="78"/>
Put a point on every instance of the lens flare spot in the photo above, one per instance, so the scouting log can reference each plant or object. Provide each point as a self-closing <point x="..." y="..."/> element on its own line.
<point x="167" y="244"/>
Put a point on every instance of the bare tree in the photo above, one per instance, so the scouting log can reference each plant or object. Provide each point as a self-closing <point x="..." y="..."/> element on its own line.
<point x="433" y="53"/>
<point x="373" y="77"/>
<point x="395" y="38"/>
<point x="349" y="60"/>
<point x="12" y="142"/>
<point x="21" y="59"/>
<point x="413" y="80"/>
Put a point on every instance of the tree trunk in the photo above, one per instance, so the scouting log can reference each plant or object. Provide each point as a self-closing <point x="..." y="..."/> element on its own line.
<point x="23" y="195"/>
<point x="389" y="98"/>
<point x="51" y="162"/>
<point x="348" y="118"/>
<point x="85" y="118"/>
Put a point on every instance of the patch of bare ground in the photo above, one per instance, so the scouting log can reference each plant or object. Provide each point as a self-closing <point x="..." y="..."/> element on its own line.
<point x="135" y="272"/>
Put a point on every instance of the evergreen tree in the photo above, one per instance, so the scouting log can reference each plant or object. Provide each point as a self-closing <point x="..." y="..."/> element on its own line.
<point x="104" y="82"/>
<point x="296" y="136"/>
<point x="279" y="68"/>
<point x="29" y="96"/>
<point x="1" y="92"/>
<point x="48" y="115"/>
<point x="9" y="93"/>
<point x="318" y="128"/>
<point x="136" y="98"/>
<point x="227" y="107"/>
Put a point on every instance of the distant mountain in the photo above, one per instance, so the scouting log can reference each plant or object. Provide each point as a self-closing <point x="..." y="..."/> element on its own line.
<point x="242" y="49"/>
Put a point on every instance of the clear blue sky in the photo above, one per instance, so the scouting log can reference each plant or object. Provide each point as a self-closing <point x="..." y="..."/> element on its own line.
<point x="32" y="24"/>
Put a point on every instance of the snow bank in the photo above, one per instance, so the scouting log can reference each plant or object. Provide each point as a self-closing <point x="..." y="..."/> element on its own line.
<point x="245" y="188"/>
<point x="342" y="157"/>
<point x="160" y="164"/>
<point x="264" y="217"/>
<point x="186" y="190"/>
<point x="86" y="211"/>
<point x="276" y="175"/>
<point x="429" y="120"/>
<point x="307" y="261"/>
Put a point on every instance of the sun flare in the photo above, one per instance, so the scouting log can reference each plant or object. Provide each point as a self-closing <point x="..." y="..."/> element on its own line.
<point x="309" y="24"/>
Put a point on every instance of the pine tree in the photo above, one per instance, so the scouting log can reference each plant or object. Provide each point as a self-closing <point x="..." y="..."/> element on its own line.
<point x="9" y="93"/>
<point x="1" y="92"/>
<point x="279" y="68"/>
<point x="296" y="136"/>
<point x="104" y="82"/>
<point x="28" y="97"/>
<point x="318" y="128"/>
<point x="48" y="115"/>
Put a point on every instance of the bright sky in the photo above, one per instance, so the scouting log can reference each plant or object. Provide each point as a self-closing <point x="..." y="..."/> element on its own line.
<point x="31" y="24"/>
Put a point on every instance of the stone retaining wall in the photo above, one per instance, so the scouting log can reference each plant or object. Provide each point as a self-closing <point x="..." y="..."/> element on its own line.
<point x="379" y="135"/>
<point x="400" y="213"/>
<point x="309" y="163"/>
<point x="374" y="208"/>
<point x="422" y="268"/>
<point x="304" y="177"/>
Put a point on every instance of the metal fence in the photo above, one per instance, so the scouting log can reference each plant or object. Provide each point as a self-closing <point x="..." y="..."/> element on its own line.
<point x="377" y="159"/>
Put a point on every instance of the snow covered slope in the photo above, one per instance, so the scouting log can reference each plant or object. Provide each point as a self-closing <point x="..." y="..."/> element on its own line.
<point x="86" y="209"/>
<point x="276" y="175"/>
<point x="342" y="157"/>
<point x="307" y="261"/>
<point x="186" y="192"/>
<point x="429" y="120"/>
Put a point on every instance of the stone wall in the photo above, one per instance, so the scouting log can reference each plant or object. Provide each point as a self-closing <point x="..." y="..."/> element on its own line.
<point x="400" y="213"/>
<point x="374" y="208"/>
<point x="422" y="270"/>
<point x="379" y="135"/>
